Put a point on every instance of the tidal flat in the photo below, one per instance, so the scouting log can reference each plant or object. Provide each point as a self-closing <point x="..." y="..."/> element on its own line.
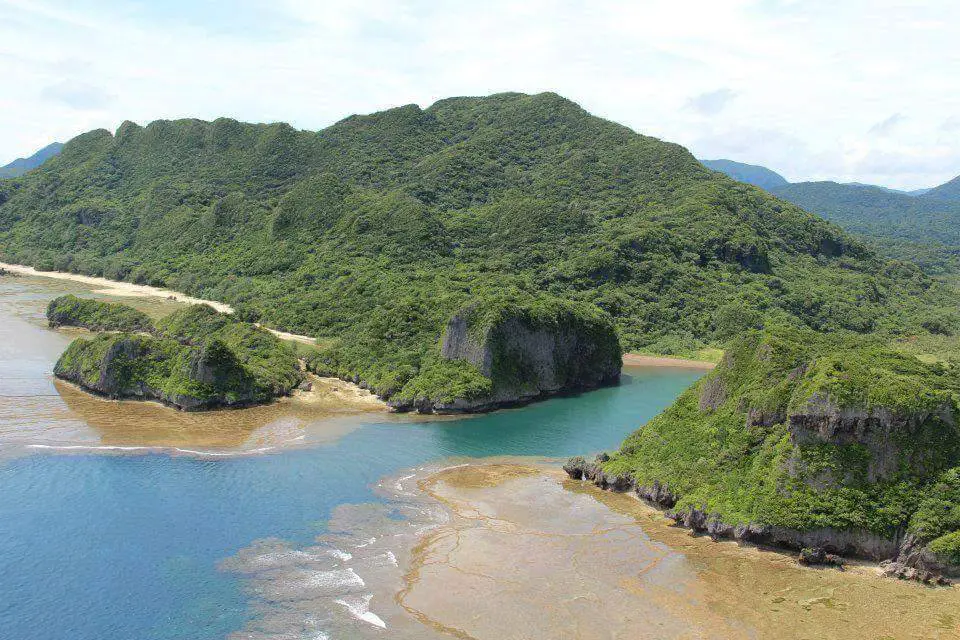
<point x="511" y="548"/>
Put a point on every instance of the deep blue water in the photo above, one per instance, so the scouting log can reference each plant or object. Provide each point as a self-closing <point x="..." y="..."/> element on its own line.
<point x="106" y="547"/>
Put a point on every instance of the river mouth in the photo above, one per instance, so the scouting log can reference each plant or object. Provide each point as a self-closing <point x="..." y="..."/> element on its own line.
<point x="511" y="548"/>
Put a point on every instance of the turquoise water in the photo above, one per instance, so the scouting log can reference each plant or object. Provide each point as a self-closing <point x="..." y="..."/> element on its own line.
<point x="96" y="547"/>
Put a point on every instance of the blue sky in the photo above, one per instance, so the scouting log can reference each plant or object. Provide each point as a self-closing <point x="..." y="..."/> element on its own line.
<point x="851" y="90"/>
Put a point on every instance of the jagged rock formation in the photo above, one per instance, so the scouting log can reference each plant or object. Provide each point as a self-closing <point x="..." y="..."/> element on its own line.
<point x="828" y="445"/>
<point x="526" y="350"/>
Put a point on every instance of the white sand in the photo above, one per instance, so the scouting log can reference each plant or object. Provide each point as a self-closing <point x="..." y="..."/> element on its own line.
<point x="127" y="289"/>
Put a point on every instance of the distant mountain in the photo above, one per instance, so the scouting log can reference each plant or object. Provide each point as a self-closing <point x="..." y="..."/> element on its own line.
<point x="924" y="229"/>
<point x="749" y="173"/>
<point x="904" y="225"/>
<point x="877" y="186"/>
<point x="948" y="191"/>
<point x="21" y="165"/>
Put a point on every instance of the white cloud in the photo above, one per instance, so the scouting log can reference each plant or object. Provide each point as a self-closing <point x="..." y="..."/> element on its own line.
<point x="712" y="102"/>
<point x="75" y="94"/>
<point x="887" y="125"/>
<point x="809" y="78"/>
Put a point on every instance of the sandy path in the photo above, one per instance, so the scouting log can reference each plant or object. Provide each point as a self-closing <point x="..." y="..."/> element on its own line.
<point x="128" y="289"/>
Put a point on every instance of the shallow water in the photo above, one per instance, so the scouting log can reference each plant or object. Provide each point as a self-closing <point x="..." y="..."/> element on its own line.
<point x="541" y="556"/>
<point x="148" y="542"/>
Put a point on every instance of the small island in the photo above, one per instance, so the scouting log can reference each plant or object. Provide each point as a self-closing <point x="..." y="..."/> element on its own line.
<point x="193" y="359"/>
<point x="831" y="445"/>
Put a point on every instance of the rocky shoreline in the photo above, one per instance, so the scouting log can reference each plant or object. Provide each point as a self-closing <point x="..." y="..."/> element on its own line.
<point x="901" y="556"/>
<point x="463" y="406"/>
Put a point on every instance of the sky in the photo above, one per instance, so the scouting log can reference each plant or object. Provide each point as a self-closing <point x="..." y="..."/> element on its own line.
<point x="848" y="90"/>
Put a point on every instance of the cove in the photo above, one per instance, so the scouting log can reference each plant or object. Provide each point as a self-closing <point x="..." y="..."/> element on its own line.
<point x="99" y="546"/>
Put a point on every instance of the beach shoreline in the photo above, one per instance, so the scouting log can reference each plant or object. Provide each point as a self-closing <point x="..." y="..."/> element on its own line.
<point x="644" y="360"/>
<point x="128" y="289"/>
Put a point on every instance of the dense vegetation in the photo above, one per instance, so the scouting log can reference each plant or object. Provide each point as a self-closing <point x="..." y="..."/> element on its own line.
<point x="922" y="229"/>
<point x="196" y="358"/>
<point x="371" y="233"/>
<point x="71" y="311"/>
<point x="946" y="191"/>
<point x="919" y="226"/>
<point x="492" y="363"/>
<point x="749" y="173"/>
<point x="805" y="431"/>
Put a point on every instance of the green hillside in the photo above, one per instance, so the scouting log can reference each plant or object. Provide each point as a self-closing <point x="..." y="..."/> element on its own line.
<point x="799" y="439"/>
<point x="923" y="229"/>
<point x="375" y="230"/>
<point x="947" y="191"/>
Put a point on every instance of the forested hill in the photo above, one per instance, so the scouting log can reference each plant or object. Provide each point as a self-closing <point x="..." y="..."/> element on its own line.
<point x="923" y="229"/>
<point x="749" y="173"/>
<point x="921" y="226"/>
<point x="377" y="228"/>
<point x="947" y="191"/>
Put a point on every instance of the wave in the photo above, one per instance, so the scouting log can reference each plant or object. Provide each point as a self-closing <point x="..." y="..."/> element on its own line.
<point x="153" y="449"/>
<point x="359" y="608"/>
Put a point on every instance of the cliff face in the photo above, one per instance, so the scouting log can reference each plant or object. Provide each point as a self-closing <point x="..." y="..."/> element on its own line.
<point x="884" y="434"/>
<point x="828" y="443"/>
<point x="526" y="351"/>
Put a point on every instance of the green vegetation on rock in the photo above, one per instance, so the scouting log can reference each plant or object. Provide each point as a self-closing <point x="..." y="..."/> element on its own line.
<point x="810" y="432"/>
<point x="495" y="350"/>
<point x="937" y="518"/>
<point x="71" y="311"/>
<point x="196" y="359"/>
<point x="372" y="233"/>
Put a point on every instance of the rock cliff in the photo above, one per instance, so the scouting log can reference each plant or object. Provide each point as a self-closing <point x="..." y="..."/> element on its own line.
<point x="828" y="445"/>
<point x="526" y="350"/>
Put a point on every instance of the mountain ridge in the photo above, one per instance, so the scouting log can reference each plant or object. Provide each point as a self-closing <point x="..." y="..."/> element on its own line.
<point x="21" y="165"/>
<point x="372" y="232"/>
<point x="919" y="226"/>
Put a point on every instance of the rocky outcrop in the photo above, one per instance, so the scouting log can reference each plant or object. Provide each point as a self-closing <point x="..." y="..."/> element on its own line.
<point x="837" y="445"/>
<point x="915" y="561"/>
<point x="818" y="556"/>
<point x="882" y="431"/>
<point x="527" y="351"/>
<point x="905" y="558"/>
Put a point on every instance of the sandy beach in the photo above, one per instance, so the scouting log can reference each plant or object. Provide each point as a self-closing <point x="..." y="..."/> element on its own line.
<point x="128" y="289"/>
<point x="641" y="360"/>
